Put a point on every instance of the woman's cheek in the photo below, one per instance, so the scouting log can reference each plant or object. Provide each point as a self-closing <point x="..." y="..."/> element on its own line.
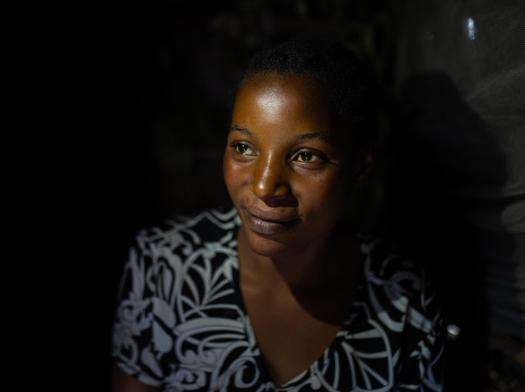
<point x="232" y="176"/>
<point x="325" y="194"/>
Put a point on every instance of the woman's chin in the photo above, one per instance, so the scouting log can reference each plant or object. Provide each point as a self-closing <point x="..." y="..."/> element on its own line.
<point x="265" y="245"/>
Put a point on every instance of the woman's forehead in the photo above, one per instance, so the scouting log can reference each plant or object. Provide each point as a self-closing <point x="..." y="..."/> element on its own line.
<point x="299" y="85"/>
<point x="277" y="96"/>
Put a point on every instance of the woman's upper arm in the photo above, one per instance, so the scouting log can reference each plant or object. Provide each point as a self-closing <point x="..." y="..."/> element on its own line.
<point x="134" y="348"/>
<point x="123" y="382"/>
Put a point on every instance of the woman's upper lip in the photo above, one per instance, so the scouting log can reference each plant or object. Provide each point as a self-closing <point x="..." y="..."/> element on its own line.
<point x="272" y="216"/>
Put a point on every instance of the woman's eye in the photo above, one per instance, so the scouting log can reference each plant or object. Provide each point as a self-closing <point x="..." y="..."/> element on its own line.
<point x="307" y="157"/>
<point x="242" y="149"/>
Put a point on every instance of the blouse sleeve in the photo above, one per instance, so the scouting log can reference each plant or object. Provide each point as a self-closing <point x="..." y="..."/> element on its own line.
<point x="133" y="346"/>
<point x="423" y="368"/>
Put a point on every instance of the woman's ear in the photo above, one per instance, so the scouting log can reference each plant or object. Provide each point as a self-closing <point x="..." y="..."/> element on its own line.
<point x="363" y="165"/>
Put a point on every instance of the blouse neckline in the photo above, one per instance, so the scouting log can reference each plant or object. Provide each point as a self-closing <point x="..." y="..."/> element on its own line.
<point x="318" y="363"/>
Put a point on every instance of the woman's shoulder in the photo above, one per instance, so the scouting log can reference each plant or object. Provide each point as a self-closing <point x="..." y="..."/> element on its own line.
<point x="180" y="242"/>
<point x="385" y="265"/>
<point x="398" y="281"/>
<point x="403" y="307"/>
<point x="196" y="229"/>
<point x="169" y="274"/>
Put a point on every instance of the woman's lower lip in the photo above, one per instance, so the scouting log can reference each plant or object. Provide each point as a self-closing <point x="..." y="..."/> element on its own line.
<point x="262" y="226"/>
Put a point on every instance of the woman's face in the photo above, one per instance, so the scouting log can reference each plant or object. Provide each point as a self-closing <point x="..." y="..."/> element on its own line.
<point x="282" y="168"/>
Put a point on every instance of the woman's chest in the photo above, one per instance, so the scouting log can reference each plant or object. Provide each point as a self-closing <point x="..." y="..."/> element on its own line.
<point x="219" y="346"/>
<point x="291" y="334"/>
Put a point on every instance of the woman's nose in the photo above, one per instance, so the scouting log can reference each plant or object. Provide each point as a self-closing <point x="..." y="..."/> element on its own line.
<point x="270" y="181"/>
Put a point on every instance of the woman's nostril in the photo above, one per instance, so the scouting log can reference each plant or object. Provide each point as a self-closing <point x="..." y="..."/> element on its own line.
<point x="280" y="201"/>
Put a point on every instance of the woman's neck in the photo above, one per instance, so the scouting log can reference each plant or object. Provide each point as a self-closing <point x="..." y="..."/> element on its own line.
<point x="309" y="269"/>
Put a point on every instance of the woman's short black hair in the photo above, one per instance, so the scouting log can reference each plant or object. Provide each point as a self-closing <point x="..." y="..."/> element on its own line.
<point x="349" y="83"/>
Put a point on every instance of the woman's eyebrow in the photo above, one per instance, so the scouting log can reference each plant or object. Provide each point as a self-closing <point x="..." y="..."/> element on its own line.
<point x="240" y="129"/>
<point x="324" y="136"/>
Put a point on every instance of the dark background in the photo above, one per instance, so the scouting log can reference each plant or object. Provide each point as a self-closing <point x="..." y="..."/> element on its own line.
<point x="145" y="92"/>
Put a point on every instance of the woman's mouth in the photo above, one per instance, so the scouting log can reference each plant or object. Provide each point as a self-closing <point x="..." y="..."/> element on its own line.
<point x="268" y="226"/>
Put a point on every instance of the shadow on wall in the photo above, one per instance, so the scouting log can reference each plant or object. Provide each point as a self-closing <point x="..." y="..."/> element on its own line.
<point x="442" y="152"/>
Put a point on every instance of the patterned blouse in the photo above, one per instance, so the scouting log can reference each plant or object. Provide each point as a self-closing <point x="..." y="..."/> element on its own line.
<point x="181" y="323"/>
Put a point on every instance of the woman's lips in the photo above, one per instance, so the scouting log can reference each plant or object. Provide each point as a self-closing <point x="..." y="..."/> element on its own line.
<point x="268" y="227"/>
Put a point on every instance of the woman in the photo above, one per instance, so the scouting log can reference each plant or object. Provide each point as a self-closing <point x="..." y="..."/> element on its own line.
<point x="281" y="292"/>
